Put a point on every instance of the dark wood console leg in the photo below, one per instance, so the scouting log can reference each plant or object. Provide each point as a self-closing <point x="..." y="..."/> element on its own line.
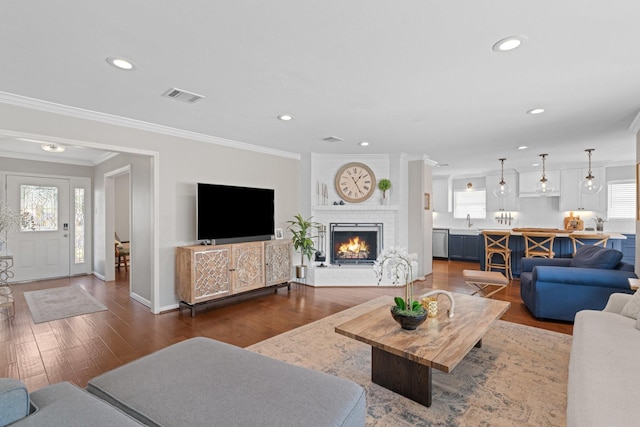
<point x="479" y="344"/>
<point x="402" y="376"/>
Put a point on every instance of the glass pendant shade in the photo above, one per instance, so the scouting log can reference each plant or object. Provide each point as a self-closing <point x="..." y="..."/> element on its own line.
<point x="589" y="184"/>
<point x="544" y="186"/>
<point x="502" y="189"/>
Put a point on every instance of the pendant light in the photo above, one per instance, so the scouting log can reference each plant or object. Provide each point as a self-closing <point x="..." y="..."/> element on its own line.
<point x="589" y="184"/>
<point x="502" y="189"/>
<point x="544" y="186"/>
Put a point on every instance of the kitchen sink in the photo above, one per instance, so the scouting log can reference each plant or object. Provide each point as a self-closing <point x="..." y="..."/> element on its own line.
<point x="465" y="231"/>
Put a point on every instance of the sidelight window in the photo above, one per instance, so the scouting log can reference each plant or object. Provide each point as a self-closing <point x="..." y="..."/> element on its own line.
<point x="79" y="230"/>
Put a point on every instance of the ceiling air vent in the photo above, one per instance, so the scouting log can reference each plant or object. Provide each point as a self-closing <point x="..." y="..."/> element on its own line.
<point x="182" y="95"/>
<point x="332" y="139"/>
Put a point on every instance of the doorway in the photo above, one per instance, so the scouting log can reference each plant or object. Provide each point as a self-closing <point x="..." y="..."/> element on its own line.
<point x="122" y="224"/>
<point x="52" y="238"/>
<point x="117" y="185"/>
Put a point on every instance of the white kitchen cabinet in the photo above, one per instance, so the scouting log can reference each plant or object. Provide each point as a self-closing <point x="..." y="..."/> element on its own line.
<point x="509" y="203"/>
<point x="572" y="198"/>
<point x="440" y="198"/>
<point x="527" y="182"/>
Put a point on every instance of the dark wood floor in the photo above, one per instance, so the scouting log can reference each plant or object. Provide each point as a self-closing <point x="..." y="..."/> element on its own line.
<point x="79" y="348"/>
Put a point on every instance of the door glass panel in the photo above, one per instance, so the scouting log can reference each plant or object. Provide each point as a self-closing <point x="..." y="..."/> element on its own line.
<point x="79" y="225"/>
<point x="39" y="208"/>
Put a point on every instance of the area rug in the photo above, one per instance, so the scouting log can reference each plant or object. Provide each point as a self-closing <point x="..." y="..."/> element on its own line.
<point x="59" y="303"/>
<point x="518" y="376"/>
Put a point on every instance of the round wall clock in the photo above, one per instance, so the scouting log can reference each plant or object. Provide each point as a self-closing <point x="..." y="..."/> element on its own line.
<point x="355" y="182"/>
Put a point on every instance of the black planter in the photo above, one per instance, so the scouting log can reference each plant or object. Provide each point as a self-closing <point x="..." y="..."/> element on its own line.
<point x="408" y="322"/>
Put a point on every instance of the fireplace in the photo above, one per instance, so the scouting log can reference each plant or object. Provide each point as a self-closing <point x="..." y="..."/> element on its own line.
<point x="355" y="243"/>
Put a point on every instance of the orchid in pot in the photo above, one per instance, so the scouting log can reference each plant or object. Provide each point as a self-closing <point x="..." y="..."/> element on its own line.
<point x="400" y="266"/>
<point x="9" y="221"/>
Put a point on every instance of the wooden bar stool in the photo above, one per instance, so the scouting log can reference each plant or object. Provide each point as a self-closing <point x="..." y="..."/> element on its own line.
<point x="496" y="244"/>
<point x="582" y="239"/>
<point x="538" y="245"/>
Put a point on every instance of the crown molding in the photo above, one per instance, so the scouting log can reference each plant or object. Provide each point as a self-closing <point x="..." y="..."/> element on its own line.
<point x="80" y="113"/>
<point x="44" y="158"/>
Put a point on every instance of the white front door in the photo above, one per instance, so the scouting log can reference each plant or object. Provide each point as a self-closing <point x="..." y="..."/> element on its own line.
<point x="41" y="248"/>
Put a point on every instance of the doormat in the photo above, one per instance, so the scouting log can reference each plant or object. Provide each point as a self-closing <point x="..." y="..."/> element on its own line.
<point x="60" y="303"/>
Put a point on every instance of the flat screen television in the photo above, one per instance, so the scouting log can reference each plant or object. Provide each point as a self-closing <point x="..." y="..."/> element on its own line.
<point x="228" y="214"/>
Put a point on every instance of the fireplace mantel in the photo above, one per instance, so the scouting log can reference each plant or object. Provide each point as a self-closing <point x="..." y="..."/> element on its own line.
<point x="319" y="172"/>
<point x="349" y="207"/>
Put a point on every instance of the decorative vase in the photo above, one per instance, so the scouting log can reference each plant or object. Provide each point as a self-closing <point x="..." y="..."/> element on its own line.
<point x="409" y="323"/>
<point x="301" y="271"/>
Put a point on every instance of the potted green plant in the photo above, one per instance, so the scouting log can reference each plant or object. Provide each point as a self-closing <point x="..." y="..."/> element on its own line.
<point x="400" y="265"/>
<point x="384" y="185"/>
<point x="302" y="240"/>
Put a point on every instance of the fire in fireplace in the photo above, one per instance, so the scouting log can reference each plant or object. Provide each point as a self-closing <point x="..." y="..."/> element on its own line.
<point x="355" y="243"/>
<point x="354" y="248"/>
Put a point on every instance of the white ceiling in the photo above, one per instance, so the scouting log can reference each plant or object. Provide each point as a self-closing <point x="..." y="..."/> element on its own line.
<point x="418" y="77"/>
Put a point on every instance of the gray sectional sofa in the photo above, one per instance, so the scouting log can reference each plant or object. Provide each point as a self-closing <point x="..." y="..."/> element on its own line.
<point x="197" y="382"/>
<point x="603" y="386"/>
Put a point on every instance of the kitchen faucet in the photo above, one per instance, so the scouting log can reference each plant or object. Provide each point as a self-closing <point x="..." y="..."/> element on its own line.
<point x="469" y="224"/>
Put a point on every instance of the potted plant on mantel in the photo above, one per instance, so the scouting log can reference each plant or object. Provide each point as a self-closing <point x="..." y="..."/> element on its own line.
<point x="383" y="185"/>
<point x="303" y="241"/>
<point x="400" y="265"/>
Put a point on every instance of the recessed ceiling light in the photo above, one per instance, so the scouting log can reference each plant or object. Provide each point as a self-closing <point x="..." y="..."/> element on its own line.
<point x="509" y="43"/>
<point x="536" y="111"/>
<point x="53" y="148"/>
<point x="285" y="117"/>
<point x="522" y="147"/>
<point x="364" y="144"/>
<point x="121" y="63"/>
<point x="535" y="164"/>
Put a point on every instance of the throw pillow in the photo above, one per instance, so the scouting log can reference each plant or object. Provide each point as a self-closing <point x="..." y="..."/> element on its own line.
<point x="632" y="307"/>
<point x="590" y="256"/>
<point x="14" y="401"/>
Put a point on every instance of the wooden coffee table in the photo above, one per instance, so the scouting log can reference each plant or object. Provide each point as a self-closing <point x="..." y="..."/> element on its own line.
<point x="401" y="360"/>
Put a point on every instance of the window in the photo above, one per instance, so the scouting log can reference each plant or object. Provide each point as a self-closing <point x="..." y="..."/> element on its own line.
<point x="472" y="203"/>
<point x="39" y="208"/>
<point x="79" y="225"/>
<point x="621" y="199"/>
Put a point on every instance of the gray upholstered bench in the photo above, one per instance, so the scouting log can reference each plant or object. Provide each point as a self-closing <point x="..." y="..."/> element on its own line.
<point x="56" y="405"/>
<point x="203" y="382"/>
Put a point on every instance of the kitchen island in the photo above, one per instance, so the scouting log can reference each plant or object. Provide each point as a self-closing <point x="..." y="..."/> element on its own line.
<point x="562" y="246"/>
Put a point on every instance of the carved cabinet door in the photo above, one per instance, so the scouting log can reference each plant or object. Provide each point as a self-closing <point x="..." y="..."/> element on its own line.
<point x="278" y="262"/>
<point x="211" y="273"/>
<point x="247" y="271"/>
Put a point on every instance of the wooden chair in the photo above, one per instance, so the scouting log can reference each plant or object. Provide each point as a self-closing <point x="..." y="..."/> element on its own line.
<point x="496" y="244"/>
<point x="582" y="239"/>
<point x="538" y="245"/>
<point x="122" y="255"/>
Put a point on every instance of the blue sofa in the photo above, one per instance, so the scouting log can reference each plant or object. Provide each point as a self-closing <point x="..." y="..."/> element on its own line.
<point x="558" y="288"/>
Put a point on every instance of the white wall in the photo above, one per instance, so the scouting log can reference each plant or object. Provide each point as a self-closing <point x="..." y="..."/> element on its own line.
<point x="182" y="163"/>
<point x="420" y="221"/>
